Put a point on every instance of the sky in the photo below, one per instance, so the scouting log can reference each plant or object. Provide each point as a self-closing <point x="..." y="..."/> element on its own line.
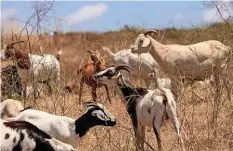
<point x="105" y="15"/>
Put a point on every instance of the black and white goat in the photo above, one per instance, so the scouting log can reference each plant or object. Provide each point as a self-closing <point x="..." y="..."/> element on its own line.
<point x="145" y="107"/>
<point x="24" y="136"/>
<point x="64" y="128"/>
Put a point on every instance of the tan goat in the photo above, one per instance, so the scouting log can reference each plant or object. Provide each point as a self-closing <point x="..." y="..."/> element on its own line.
<point x="195" y="62"/>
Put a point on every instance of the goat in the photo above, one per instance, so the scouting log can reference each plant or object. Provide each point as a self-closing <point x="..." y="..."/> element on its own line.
<point x="196" y="61"/>
<point x="41" y="67"/>
<point x="145" y="107"/>
<point x="87" y="71"/>
<point x="143" y="65"/>
<point x="10" y="81"/>
<point x="64" y="128"/>
<point x="22" y="135"/>
<point x="36" y="91"/>
<point x="10" y="108"/>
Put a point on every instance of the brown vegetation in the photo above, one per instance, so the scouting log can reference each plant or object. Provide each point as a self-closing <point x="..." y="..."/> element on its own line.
<point x="195" y="106"/>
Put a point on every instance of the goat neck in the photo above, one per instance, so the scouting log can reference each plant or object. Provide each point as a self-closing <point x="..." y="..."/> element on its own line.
<point x="157" y="50"/>
<point x="84" y="123"/>
<point x="23" y="60"/>
<point x="129" y="92"/>
<point x="130" y="97"/>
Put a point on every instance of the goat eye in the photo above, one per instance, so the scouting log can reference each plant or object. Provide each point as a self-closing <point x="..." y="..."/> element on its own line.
<point x="110" y="72"/>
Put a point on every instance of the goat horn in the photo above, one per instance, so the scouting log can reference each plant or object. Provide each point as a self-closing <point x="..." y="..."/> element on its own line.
<point x="13" y="43"/>
<point x="89" y="51"/>
<point x="123" y="67"/>
<point x="91" y="103"/>
<point x="151" y="31"/>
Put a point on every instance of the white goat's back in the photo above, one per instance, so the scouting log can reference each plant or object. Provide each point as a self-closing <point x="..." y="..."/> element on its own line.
<point x="142" y="64"/>
<point x="46" y="62"/>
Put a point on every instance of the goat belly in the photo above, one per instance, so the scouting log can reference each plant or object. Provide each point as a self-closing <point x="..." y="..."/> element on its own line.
<point x="144" y="113"/>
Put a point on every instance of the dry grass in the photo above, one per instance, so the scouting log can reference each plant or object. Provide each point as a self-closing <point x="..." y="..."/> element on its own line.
<point x="195" y="105"/>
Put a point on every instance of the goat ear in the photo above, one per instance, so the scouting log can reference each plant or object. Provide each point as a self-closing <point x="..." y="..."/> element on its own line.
<point x="89" y="51"/>
<point x="146" y="42"/>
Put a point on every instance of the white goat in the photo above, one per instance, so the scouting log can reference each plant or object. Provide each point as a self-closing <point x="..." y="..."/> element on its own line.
<point x="42" y="67"/>
<point x="196" y="61"/>
<point x="66" y="129"/>
<point x="145" y="107"/>
<point x="10" y="108"/>
<point x="22" y="135"/>
<point x="143" y="65"/>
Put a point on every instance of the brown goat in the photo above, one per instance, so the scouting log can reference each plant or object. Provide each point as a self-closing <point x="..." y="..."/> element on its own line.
<point x="87" y="71"/>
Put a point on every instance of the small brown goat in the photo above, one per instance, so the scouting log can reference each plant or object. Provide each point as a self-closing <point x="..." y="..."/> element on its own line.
<point x="87" y="71"/>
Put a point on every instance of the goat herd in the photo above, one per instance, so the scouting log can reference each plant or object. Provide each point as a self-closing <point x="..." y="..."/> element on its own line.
<point x="30" y="129"/>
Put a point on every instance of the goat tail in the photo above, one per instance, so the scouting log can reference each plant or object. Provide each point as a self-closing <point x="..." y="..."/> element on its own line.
<point x="171" y="109"/>
<point x="169" y="96"/>
<point x="58" y="55"/>
<point x="106" y="49"/>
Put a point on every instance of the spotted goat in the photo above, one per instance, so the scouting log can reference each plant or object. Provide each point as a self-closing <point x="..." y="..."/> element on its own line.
<point x="64" y="128"/>
<point x="24" y="136"/>
<point x="43" y="68"/>
<point x="145" y="107"/>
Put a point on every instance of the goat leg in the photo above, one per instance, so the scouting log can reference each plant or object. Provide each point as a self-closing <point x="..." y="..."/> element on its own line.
<point x="156" y="126"/>
<point x="140" y="137"/>
<point x="93" y="92"/>
<point x="80" y="90"/>
<point x="49" y="88"/>
<point x="107" y="91"/>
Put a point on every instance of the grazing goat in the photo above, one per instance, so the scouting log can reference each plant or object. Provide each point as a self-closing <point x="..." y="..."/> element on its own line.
<point x="66" y="129"/>
<point x="41" y="67"/>
<point x="195" y="62"/>
<point x="24" y="136"/>
<point x="10" y="81"/>
<point x="96" y="57"/>
<point x="87" y="71"/>
<point x="10" y="108"/>
<point x="145" y="107"/>
<point x="143" y="66"/>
